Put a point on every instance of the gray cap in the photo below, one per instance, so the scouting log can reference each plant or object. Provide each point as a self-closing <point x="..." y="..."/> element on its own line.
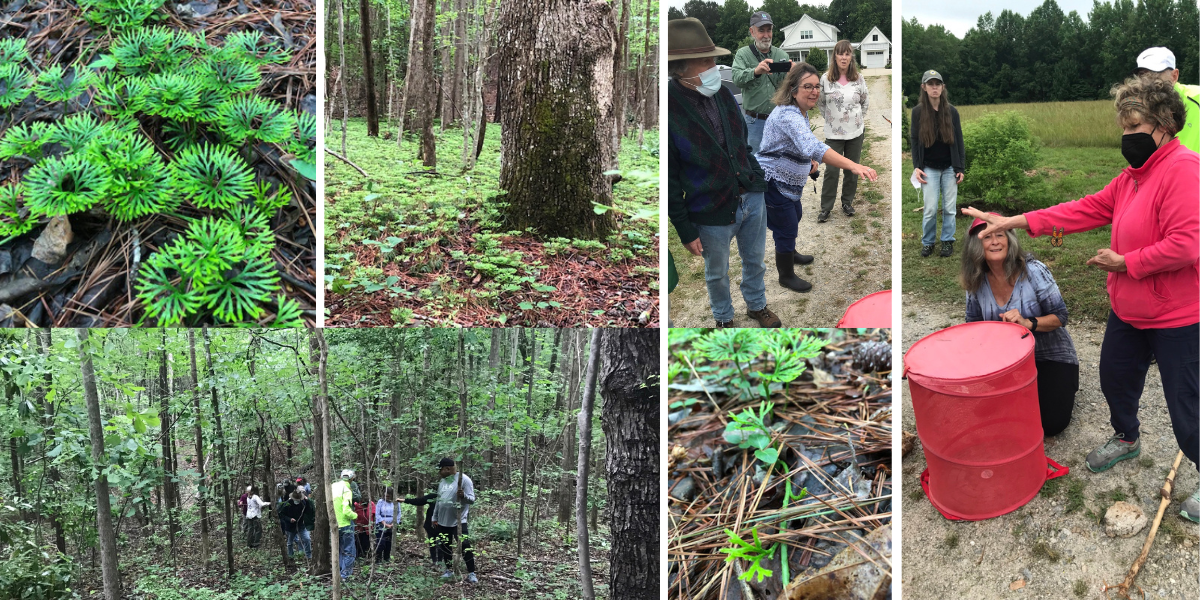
<point x="931" y="74"/>
<point x="760" y="17"/>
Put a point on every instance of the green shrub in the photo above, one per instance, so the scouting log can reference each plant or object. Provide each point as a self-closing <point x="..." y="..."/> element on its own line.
<point x="28" y="572"/>
<point x="818" y="60"/>
<point x="1000" y="150"/>
<point x="904" y="131"/>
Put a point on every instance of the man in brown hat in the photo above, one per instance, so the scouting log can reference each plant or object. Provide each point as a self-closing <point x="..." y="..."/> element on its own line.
<point x="752" y="74"/>
<point x="715" y="186"/>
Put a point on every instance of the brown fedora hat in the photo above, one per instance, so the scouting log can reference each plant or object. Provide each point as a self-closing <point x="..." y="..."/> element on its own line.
<point x="686" y="38"/>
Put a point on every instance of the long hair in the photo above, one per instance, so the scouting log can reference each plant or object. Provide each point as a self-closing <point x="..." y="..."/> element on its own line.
<point x="834" y="74"/>
<point x="936" y="124"/>
<point x="786" y="94"/>
<point x="974" y="265"/>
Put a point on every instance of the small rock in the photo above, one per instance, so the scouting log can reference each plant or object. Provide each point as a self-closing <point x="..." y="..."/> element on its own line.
<point x="1027" y="575"/>
<point x="51" y="245"/>
<point x="1123" y="520"/>
<point x="1066" y="533"/>
<point x="5" y="261"/>
<point x="1016" y="585"/>
<point x="685" y="489"/>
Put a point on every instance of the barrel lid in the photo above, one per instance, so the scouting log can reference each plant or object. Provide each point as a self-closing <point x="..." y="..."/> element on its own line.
<point x="874" y="310"/>
<point x="969" y="351"/>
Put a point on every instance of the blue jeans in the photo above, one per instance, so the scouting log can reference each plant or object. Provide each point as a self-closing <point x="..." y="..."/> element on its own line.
<point x="783" y="218"/>
<point x="300" y="540"/>
<point x="346" y="544"/>
<point x="938" y="182"/>
<point x="754" y="131"/>
<point x="750" y="229"/>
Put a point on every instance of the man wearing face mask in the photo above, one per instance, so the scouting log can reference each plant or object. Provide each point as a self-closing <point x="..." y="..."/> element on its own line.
<point x="1160" y="62"/>
<point x="714" y="185"/>
<point x="1153" y="271"/>
<point x="752" y="74"/>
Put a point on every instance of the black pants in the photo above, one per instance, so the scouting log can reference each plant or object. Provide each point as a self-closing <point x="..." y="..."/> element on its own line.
<point x="383" y="544"/>
<point x="1057" y="384"/>
<point x="431" y="536"/>
<point x="1124" y="360"/>
<point x="362" y="540"/>
<point x="445" y="552"/>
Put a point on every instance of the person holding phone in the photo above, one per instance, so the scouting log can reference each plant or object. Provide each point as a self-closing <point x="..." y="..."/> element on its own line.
<point x="752" y="74"/>
<point x="843" y="103"/>
<point x="939" y="160"/>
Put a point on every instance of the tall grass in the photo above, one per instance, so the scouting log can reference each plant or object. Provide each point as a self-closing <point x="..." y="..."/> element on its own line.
<point x="1087" y="124"/>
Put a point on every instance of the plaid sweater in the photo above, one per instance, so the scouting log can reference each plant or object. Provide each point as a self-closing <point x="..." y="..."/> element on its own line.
<point x="705" y="178"/>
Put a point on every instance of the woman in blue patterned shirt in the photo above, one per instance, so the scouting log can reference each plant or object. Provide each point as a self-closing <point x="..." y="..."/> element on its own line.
<point x="789" y="154"/>
<point x="1005" y="284"/>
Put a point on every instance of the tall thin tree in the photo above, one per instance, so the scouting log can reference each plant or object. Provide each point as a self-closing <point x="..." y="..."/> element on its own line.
<point x="364" y="14"/>
<point x="525" y="458"/>
<point x="220" y="443"/>
<point x="585" y="451"/>
<point x="205" y="484"/>
<point x="109" y="564"/>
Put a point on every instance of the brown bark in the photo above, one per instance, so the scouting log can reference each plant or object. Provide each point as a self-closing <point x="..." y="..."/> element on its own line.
<point x="326" y="460"/>
<point x="630" y="384"/>
<point x="525" y="457"/>
<point x="620" y="82"/>
<point x="323" y="542"/>
<point x="494" y="376"/>
<point x="556" y="127"/>
<point x="585" y="451"/>
<point x="220" y="442"/>
<point x="164" y="417"/>
<point x="420" y="95"/>
<point x="204" y="483"/>
<point x="342" y="54"/>
<point x="368" y="69"/>
<point x="109" y="563"/>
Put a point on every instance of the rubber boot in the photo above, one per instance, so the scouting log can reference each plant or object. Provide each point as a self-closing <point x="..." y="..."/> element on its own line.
<point x="785" y="264"/>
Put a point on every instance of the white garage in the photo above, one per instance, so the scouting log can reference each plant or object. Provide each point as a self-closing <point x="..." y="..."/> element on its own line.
<point x="874" y="50"/>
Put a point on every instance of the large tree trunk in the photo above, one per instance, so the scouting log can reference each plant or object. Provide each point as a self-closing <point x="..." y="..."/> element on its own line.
<point x="629" y="377"/>
<point x="585" y="451"/>
<point x="322" y="540"/>
<point x="164" y="417"/>
<point x="368" y="70"/>
<point x="326" y="460"/>
<point x="420" y="91"/>
<point x="108" y="539"/>
<point x="525" y="457"/>
<point x="556" y="129"/>
<point x="204" y="483"/>
<point x="60" y="540"/>
<point x="220" y="443"/>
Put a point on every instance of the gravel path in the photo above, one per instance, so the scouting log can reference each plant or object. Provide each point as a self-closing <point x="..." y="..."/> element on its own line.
<point x="1044" y="543"/>
<point x="853" y="254"/>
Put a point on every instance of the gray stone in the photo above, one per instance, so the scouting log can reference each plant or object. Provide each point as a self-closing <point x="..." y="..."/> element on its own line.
<point x="1123" y="520"/>
<point x="51" y="245"/>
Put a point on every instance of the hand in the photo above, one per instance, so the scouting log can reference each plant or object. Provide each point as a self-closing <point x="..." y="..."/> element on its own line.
<point x="763" y="66"/>
<point x="1014" y="316"/>
<point x="865" y="171"/>
<point x="694" y="247"/>
<point x="994" y="222"/>
<point x="1108" y="260"/>
<point x="958" y="177"/>
<point x="814" y="168"/>
<point x="921" y="176"/>
<point x="461" y="494"/>
<point x="293" y="521"/>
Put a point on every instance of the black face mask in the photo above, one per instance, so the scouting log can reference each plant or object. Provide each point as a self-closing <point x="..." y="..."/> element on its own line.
<point x="1137" y="148"/>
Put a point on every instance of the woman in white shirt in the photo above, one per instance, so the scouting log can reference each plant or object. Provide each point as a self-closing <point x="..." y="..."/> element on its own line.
<point x="254" y="509"/>
<point x="387" y="511"/>
<point x="843" y="104"/>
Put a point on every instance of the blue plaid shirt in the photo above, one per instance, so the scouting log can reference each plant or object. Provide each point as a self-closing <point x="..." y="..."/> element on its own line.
<point x="1035" y="295"/>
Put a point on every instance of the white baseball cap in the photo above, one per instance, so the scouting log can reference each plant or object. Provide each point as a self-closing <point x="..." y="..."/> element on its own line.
<point x="347" y="473"/>
<point x="1156" y="59"/>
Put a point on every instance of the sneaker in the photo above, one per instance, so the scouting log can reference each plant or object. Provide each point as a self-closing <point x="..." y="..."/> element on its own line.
<point x="1190" y="509"/>
<point x="471" y="578"/>
<point x="1112" y="452"/>
<point x="824" y="216"/>
<point x="947" y="248"/>
<point x="926" y="250"/>
<point x="849" y="210"/>
<point x="448" y="574"/>
<point x="765" y="318"/>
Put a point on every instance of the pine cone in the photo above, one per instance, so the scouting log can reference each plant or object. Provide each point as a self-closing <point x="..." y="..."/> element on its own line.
<point x="873" y="356"/>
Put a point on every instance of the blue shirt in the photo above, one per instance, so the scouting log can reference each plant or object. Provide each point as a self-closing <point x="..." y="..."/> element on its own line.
<point x="1034" y="295"/>
<point x="788" y="150"/>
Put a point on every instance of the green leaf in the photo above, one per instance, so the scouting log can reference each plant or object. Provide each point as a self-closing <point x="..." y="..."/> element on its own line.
<point x="759" y="441"/>
<point x="105" y="61"/>
<point x="139" y="425"/>
<point x="307" y="169"/>
<point x="526" y="306"/>
<point x="768" y="455"/>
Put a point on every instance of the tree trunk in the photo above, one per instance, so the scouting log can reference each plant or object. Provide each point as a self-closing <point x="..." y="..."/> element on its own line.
<point x="326" y="459"/>
<point x="463" y="397"/>
<point x="220" y="443"/>
<point x="645" y="79"/>
<point x="423" y="75"/>
<point x="368" y="70"/>
<point x="411" y="86"/>
<point x="391" y="67"/>
<point x="476" y="121"/>
<point x="109" y="563"/>
<point x="629" y="377"/>
<point x="60" y="540"/>
<point x="342" y="54"/>
<point x="164" y="417"/>
<point x="556" y="132"/>
<point x="397" y="366"/>
<point x="525" y="457"/>
<point x="204" y="483"/>
<point x="324" y="545"/>
<point x="452" y="73"/>
<point x="494" y="380"/>
<point x="585" y="451"/>
<point x="620" y="82"/>
<point x="565" y="498"/>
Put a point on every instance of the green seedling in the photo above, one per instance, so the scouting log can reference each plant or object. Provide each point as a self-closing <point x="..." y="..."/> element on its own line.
<point x="753" y="552"/>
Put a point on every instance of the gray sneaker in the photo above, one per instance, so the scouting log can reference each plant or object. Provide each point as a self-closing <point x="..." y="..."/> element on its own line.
<point x="1190" y="509"/>
<point x="471" y="578"/>
<point x="1112" y="452"/>
<point x="448" y="574"/>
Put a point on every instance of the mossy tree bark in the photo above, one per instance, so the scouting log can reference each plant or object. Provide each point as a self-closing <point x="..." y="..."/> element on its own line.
<point x="629" y="381"/>
<point x="369" y="69"/>
<point x="556" y="127"/>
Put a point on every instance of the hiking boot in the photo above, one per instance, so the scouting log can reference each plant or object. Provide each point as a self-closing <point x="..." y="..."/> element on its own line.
<point x="784" y="264"/>
<point x="1115" y="450"/>
<point x="803" y="259"/>
<point x="926" y="250"/>
<point x="824" y="216"/>
<point x="765" y="318"/>
<point x="947" y="248"/>
<point x="725" y="325"/>
<point x="849" y="210"/>
<point x="471" y="578"/>
<point x="448" y="574"/>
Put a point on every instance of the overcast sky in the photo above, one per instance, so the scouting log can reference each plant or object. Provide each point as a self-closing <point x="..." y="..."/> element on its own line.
<point x="958" y="17"/>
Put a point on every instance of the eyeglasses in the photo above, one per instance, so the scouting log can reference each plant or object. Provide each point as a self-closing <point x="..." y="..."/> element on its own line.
<point x="808" y="87"/>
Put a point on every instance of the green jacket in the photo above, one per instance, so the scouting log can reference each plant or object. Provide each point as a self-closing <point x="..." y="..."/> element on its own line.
<point x="757" y="89"/>
<point x="1189" y="136"/>
<point x="343" y="504"/>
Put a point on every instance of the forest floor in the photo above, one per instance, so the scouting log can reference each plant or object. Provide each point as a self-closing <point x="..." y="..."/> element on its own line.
<point x="853" y="255"/>
<point x="404" y="246"/>
<point x="1055" y="543"/>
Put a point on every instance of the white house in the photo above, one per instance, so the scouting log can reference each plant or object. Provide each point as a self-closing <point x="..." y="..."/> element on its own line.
<point x="874" y="50"/>
<point x="806" y="35"/>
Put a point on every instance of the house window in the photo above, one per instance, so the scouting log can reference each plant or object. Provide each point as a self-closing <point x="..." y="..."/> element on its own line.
<point x="806" y="35"/>
<point x="876" y="53"/>
<point x="875" y="38"/>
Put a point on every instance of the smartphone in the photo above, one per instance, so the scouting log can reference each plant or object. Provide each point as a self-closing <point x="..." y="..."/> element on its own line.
<point x="781" y="67"/>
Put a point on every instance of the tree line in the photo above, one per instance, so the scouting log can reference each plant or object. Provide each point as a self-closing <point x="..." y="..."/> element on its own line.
<point x="1049" y="56"/>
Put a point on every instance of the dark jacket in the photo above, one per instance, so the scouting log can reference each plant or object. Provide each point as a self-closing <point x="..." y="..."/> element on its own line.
<point x="290" y="511"/>
<point x="310" y="515"/>
<point x="958" y="151"/>
<point x="430" y="498"/>
<point x="704" y="179"/>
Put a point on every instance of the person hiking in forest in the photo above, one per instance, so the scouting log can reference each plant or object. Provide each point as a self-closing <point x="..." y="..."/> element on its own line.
<point x="752" y="74"/>
<point x="292" y="515"/>
<point x="387" y="513"/>
<point x="364" y="515"/>
<point x="343" y="508"/>
<point x="254" y="506"/>
<point x="302" y="483"/>
<point x="283" y="493"/>
<point x="456" y="493"/>
<point x="430" y="531"/>
<point x="1161" y="62"/>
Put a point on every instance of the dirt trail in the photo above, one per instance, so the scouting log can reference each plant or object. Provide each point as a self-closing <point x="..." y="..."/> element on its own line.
<point x="1048" y="542"/>
<point x="853" y="254"/>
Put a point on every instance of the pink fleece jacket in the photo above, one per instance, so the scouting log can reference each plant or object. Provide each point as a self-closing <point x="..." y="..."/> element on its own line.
<point x="1155" y="217"/>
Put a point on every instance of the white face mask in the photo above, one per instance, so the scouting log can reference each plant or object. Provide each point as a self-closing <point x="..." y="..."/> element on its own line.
<point x="710" y="82"/>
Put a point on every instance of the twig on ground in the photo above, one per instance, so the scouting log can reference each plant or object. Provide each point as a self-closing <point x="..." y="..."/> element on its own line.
<point x="347" y="161"/>
<point x="1165" y="492"/>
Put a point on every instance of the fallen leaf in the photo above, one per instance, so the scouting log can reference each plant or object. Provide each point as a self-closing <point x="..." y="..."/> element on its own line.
<point x="1016" y="585"/>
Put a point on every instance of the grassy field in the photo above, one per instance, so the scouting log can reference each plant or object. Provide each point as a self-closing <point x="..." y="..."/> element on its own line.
<point x="1088" y="124"/>
<point x="1069" y="173"/>
<point x="405" y="246"/>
